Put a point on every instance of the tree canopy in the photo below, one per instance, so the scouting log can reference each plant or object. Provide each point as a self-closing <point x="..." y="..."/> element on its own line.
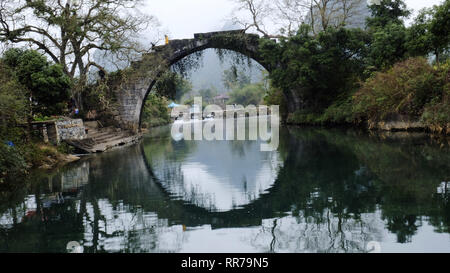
<point x="430" y="32"/>
<point x="13" y="102"/>
<point x="387" y="12"/>
<point x="68" y="31"/>
<point x="173" y="86"/>
<point x="319" y="67"/>
<point x="45" y="83"/>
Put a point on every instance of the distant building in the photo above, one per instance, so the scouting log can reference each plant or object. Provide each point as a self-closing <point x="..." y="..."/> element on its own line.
<point x="221" y="99"/>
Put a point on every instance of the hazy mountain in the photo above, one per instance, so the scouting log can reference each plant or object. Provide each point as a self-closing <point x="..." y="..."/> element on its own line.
<point x="211" y="71"/>
<point x="211" y="68"/>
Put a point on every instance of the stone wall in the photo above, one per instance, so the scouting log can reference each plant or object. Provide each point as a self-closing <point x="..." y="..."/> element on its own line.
<point x="55" y="131"/>
<point x="72" y="129"/>
<point x="396" y="122"/>
<point x="130" y="104"/>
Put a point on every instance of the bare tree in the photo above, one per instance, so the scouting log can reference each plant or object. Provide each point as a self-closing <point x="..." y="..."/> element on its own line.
<point x="290" y="14"/>
<point x="332" y="13"/>
<point x="68" y="31"/>
<point x="257" y="13"/>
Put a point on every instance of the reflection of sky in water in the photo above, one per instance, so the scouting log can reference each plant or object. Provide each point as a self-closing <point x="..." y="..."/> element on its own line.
<point x="124" y="227"/>
<point x="219" y="175"/>
<point x="112" y="203"/>
<point x="294" y="236"/>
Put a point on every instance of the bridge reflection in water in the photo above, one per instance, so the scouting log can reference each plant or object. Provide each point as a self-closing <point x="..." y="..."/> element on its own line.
<point x="322" y="191"/>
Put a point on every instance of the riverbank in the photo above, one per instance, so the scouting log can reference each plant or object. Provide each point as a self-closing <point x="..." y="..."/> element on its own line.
<point x="18" y="159"/>
<point x="397" y="123"/>
<point x="54" y="158"/>
<point x="413" y="95"/>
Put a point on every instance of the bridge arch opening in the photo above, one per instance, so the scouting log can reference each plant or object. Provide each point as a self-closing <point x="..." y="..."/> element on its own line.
<point x="238" y="55"/>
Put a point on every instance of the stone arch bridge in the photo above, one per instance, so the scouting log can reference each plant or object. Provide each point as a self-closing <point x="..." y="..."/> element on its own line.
<point x="140" y="78"/>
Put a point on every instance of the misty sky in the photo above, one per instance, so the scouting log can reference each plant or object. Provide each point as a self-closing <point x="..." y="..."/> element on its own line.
<point x="182" y="18"/>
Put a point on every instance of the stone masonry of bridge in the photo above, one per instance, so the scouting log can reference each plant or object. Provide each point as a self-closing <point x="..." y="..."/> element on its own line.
<point x="133" y="91"/>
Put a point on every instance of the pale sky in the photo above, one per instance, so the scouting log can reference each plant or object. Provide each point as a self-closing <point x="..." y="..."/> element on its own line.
<point x="182" y="18"/>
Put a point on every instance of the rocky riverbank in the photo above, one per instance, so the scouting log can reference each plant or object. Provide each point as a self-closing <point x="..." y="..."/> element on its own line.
<point x="403" y="123"/>
<point x="52" y="158"/>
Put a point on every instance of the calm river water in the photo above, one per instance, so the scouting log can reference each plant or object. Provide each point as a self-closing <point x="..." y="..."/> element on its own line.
<point x="323" y="190"/>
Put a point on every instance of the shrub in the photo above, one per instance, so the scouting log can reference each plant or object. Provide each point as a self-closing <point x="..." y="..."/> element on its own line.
<point x="12" y="163"/>
<point x="46" y="83"/>
<point x="318" y="67"/>
<point x="341" y="111"/>
<point x="437" y="111"/>
<point x="13" y="102"/>
<point x="65" y="148"/>
<point x="274" y="96"/>
<point x="404" y="89"/>
<point x="251" y="94"/>
<point x="155" y="110"/>
<point x="303" y="117"/>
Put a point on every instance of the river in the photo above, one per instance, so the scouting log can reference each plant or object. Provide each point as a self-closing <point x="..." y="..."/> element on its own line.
<point x="322" y="190"/>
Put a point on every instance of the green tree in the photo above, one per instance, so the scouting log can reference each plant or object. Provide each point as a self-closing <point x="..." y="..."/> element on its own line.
<point x="69" y="31"/>
<point x="387" y="12"/>
<point x="12" y="164"/>
<point x="46" y="84"/>
<point x="316" y="69"/>
<point x="173" y="86"/>
<point x="430" y="32"/>
<point x="274" y="96"/>
<point x="156" y="112"/>
<point x="13" y="102"/>
<point x="388" y="33"/>
<point x="440" y="29"/>
<point x="388" y="46"/>
<point x="419" y="35"/>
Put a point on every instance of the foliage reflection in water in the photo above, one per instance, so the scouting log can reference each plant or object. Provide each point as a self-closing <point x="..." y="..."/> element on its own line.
<point x="322" y="191"/>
